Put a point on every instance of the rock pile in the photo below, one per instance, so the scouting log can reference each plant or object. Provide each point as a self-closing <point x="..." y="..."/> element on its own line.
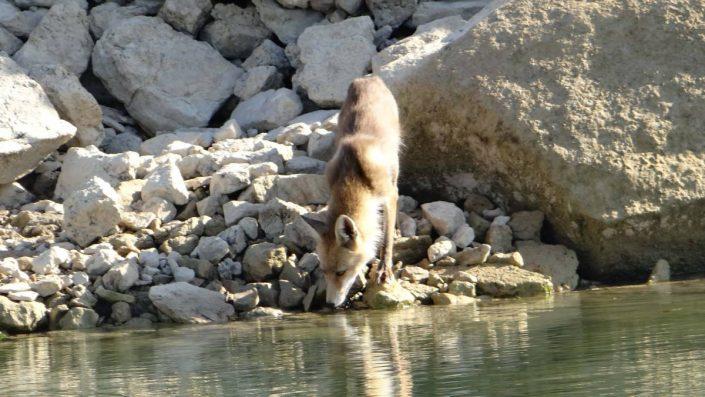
<point x="157" y="158"/>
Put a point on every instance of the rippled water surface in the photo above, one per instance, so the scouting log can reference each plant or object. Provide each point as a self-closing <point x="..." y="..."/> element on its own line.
<point x="620" y="341"/>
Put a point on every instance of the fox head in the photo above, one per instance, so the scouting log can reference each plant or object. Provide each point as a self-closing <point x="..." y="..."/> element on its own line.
<point x="343" y="253"/>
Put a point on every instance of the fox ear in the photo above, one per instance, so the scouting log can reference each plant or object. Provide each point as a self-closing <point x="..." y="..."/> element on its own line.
<point x="345" y="231"/>
<point x="317" y="225"/>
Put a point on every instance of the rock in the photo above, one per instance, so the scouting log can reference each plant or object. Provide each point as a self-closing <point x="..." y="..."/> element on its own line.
<point x="294" y="275"/>
<point x="161" y="143"/>
<point x="79" y="318"/>
<point x="186" y="15"/>
<point x="212" y="249"/>
<point x="620" y="228"/>
<point x="234" y="211"/>
<point x="21" y="317"/>
<point x="101" y="261"/>
<point x="267" y="54"/>
<point x="499" y="237"/>
<point x="410" y="250"/>
<point x="121" y="277"/>
<point x="290" y="296"/>
<point x="407" y="225"/>
<point x="445" y="217"/>
<point x="124" y="142"/>
<point x="660" y="273"/>
<point x="166" y="182"/>
<point x="14" y="287"/>
<point x="183" y="274"/>
<point x="229" y="179"/>
<point x="247" y="299"/>
<point x="263" y="260"/>
<point x="459" y="287"/>
<point x="257" y="79"/>
<point x="91" y="212"/>
<point x="47" y="286"/>
<point x="321" y="145"/>
<point x="19" y="23"/>
<point x="193" y="79"/>
<point x="513" y="259"/>
<point x="114" y="296"/>
<point x="14" y="195"/>
<point x="268" y="109"/>
<point x="556" y="261"/>
<point x="331" y="57"/>
<point x="276" y="214"/>
<point x="444" y="298"/>
<point x="72" y="101"/>
<point x="82" y="297"/>
<point x="235" y="31"/>
<point x="526" y="225"/>
<point x="388" y="296"/>
<point x="81" y="165"/>
<point x="32" y="128"/>
<point x="421" y="292"/>
<point x="349" y="6"/>
<point x="61" y="37"/>
<point x="391" y="12"/>
<point x="262" y="312"/>
<point x="428" y="11"/>
<point x="186" y="303"/>
<point x="23" y="296"/>
<point x="304" y="165"/>
<point x="287" y="24"/>
<point x="8" y="42"/>
<point x="300" y="234"/>
<point x="473" y="256"/>
<point x="120" y="312"/>
<point x="463" y="236"/>
<point x="229" y="269"/>
<point x="161" y="208"/>
<point x="301" y="189"/>
<point x="502" y="281"/>
<point x="440" y="249"/>
<point x="104" y="16"/>
<point x="267" y="292"/>
<point x="415" y="274"/>
<point x="477" y="203"/>
<point x="479" y="224"/>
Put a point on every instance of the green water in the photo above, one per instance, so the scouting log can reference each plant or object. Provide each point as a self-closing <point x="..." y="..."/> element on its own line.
<point x="625" y="341"/>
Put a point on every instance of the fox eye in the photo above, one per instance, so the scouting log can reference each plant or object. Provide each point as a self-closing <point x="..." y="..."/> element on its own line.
<point x="340" y="273"/>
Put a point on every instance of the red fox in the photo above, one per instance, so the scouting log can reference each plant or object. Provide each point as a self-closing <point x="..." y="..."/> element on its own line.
<point x="363" y="182"/>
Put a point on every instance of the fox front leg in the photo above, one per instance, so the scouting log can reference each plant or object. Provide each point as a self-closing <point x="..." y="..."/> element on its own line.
<point x="385" y="272"/>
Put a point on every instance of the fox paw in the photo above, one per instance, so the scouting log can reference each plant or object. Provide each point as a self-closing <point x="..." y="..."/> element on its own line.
<point x="385" y="275"/>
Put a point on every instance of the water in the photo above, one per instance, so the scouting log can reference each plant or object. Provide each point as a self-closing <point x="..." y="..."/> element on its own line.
<point x="647" y="340"/>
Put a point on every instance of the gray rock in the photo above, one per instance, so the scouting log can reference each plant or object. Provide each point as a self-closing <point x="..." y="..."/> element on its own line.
<point x="509" y="281"/>
<point x="114" y="296"/>
<point x="193" y="79"/>
<point x="91" y="212"/>
<point x="262" y="312"/>
<point x="104" y="16"/>
<point x="290" y="296"/>
<point x="477" y="203"/>
<point x="555" y="261"/>
<point x="229" y="179"/>
<point x="186" y="15"/>
<point x="287" y="24"/>
<point x="14" y="195"/>
<point x="300" y="234"/>
<point x="61" y="37"/>
<point x="34" y="128"/>
<point x="479" y="224"/>
<point x="183" y="274"/>
<point x="301" y="189"/>
<point x="510" y="258"/>
<point x="391" y="12"/>
<point x="473" y="256"/>
<point x="331" y="57"/>
<point x="444" y="298"/>
<point x="101" y="261"/>
<point x="526" y="225"/>
<point x="234" y="211"/>
<point x="321" y="145"/>
<point x="160" y="144"/>
<point x="267" y="292"/>
<point x="166" y="182"/>
<point x="186" y="303"/>
<point x="120" y="143"/>
<point x="441" y="248"/>
<point x="428" y="11"/>
<point x="267" y="54"/>
<point x="256" y="80"/>
<point x="463" y="236"/>
<point x="73" y="102"/>
<point x="414" y="274"/>
<point x="263" y="260"/>
<point x="445" y="217"/>
<point x="304" y="165"/>
<point x="268" y="109"/>
<point x="388" y="296"/>
<point x="8" y="42"/>
<point x="82" y="164"/>
<point x="79" y="318"/>
<point x="212" y="249"/>
<point x="499" y="237"/>
<point x="23" y="296"/>
<point x="411" y="250"/>
<point x="276" y="214"/>
<point x="459" y="287"/>
<point x="235" y="31"/>
<point x="120" y="312"/>
<point x="22" y="316"/>
<point x="244" y="300"/>
<point x="121" y="277"/>
<point x="47" y="286"/>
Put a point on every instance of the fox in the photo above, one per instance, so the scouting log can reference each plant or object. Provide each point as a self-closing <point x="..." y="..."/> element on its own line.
<point x="362" y="177"/>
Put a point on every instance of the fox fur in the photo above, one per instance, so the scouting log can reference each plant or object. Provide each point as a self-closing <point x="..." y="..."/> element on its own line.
<point x="363" y="183"/>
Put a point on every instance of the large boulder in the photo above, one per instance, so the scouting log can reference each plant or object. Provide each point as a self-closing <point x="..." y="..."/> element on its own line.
<point x="561" y="107"/>
<point x="91" y="212"/>
<point x="166" y="79"/>
<point x="61" y="37"/>
<point x="186" y="303"/>
<point x="30" y="128"/>
<point x="21" y="316"/>
<point x="332" y="56"/>
<point x="73" y="102"/>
